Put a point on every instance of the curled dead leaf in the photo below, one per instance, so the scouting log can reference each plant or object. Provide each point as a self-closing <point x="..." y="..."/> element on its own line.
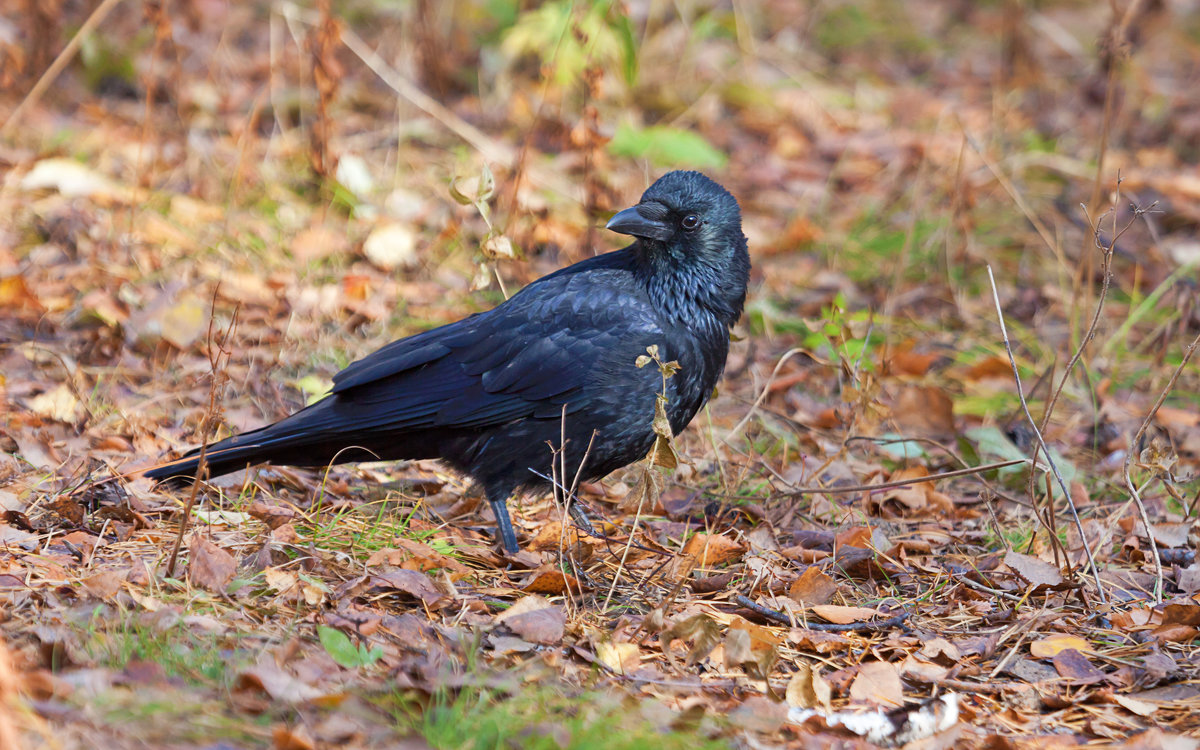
<point x="535" y="619"/>
<point x="621" y="658"/>
<point x="551" y="582"/>
<point x="807" y="689"/>
<point x="711" y="550"/>
<point x="813" y="586"/>
<point x="844" y="615"/>
<point x="209" y="566"/>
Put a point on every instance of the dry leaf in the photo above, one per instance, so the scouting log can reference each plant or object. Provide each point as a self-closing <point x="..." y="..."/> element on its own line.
<point x="819" y="641"/>
<point x="844" y="615"/>
<point x="411" y="582"/>
<point x="280" y="580"/>
<point x="1171" y="534"/>
<point x="759" y="714"/>
<point x="621" y="658"/>
<point x="1075" y="667"/>
<point x="701" y="629"/>
<point x="1141" y="708"/>
<point x="276" y="683"/>
<point x="877" y="682"/>
<point x="644" y="496"/>
<point x="551" y="582"/>
<point x="940" y="649"/>
<point x="1032" y="570"/>
<point x="544" y="626"/>
<point x="907" y="362"/>
<point x="807" y="689"/>
<point x="926" y="671"/>
<point x="16" y="295"/>
<point x="1181" y="614"/>
<point x="551" y="537"/>
<point x="813" y="586"/>
<point x="391" y="246"/>
<point x="319" y="242"/>
<point x="990" y="367"/>
<point x="535" y="619"/>
<point x="292" y="738"/>
<point x="711" y="550"/>
<point x="185" y="321"/>
<point x="1052" y="645"/>
<point x="752" y="647"/>
<point x="498" y="247"/>
<point x="209" y="566"/>
<point x="414" y="555"/>
<point x="924" y="411"/>
<point x="273" y="516"/>
<point x="104" y="585"/>
<point x="57" y="403"/>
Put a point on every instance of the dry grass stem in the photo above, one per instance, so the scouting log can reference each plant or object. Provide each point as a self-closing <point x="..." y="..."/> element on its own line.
<point x="1134" y="448"/>
<point x="216" y="350"/>
<point x="60" y="63"/>
<point x="1062" y="485"/>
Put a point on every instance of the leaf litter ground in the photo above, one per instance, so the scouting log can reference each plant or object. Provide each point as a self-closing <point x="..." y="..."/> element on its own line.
<point x="881" y="166"/>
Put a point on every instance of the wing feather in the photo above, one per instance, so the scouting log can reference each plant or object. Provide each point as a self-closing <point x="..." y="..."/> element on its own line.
<point x="526" y="358"/>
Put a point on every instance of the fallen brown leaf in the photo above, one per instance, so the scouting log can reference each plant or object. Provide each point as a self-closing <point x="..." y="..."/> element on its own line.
<point x="813" y="586"/>
<point x="209" y="566"/>
<point x="711" y="550"/>
<point x="878" y="683"/>
<point x="844" y="615"/>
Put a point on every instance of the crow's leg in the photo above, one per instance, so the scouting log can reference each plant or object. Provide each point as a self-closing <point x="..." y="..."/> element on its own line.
<point x="504" y="527"/>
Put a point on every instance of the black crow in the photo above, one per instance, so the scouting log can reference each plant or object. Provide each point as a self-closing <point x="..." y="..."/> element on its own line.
<point x="493" y="392"/>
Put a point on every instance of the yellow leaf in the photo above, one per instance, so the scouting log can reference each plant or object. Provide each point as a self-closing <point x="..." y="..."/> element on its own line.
<point x="184" y="322"/>
<point x="844" y="615"/>
<point x="58" y="403"/>
<point x="712" y="549"/>
<point x="807" y="689"/>
<point x="619" y="657"/>
<point x="1052" y="645"/>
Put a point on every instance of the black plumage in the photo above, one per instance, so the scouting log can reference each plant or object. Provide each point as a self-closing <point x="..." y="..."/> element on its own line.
<point x="488" y="394"/>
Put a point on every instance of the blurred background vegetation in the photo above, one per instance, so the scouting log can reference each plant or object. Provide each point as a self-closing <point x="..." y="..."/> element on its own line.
<point x="335" y="175"/>
<point x="883" y="152"/>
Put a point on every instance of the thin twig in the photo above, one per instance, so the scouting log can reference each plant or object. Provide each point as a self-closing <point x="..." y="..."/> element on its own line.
<point x="905" y="482"/>
<point x="637" y="517"/>
<point x="850" y="627"/>
<point x="1106" y="266"/>
<point x="1041" y="441"/>
<point x="570" y="500"/>
<point x="1118" y="50"/>
<point x="490" y="149"/>
<point x="1044" y="233"/>
<point x="766" y="390"/>
<point x="1137" y="439"/>
<point x="986" y="589"/>
<point x="1021" y="630"/>
<point x="216" y="349"/>
<point x="60" y="63"/>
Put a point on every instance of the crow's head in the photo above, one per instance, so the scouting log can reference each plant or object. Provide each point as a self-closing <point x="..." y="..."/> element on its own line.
<point x="688" y="216"/>
<point x="689" y="228"/>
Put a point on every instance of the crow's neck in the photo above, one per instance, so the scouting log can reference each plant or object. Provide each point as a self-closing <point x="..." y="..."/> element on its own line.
<point x="693" y="291"/>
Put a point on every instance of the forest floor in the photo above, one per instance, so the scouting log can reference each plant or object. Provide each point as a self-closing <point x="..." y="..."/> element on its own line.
<point x="213" y="207"/>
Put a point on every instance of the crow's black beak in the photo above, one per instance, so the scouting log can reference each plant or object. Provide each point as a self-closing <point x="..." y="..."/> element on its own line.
<point x="634" y="222"/>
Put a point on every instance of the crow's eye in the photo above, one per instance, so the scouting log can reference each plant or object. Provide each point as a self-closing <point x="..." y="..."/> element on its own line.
<point x="690" y="222"/>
